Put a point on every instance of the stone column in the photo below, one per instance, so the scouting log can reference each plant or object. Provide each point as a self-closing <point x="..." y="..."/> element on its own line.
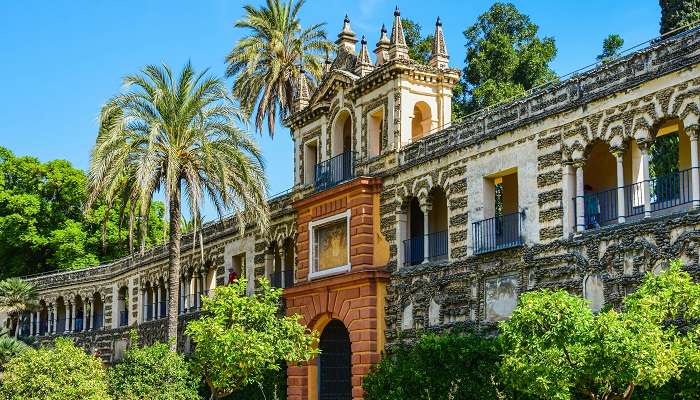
<point x="54" y="319"/>
<point x="87" y="315"/>
<point x="32" y="331"/>
<point x="156" y="305"/>
<point x="401" y="231"/>
<point x="621" y="212"/>
<point x="645" y="173"/>
<point x="283" y="266"/>
<point x="580" y="205"/>
<point x="694" y="164"/>
<point x="73" y="315"/>
<point x="426" y="208"/>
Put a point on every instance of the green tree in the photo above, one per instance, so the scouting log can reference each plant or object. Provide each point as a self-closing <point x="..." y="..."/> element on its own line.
<point x="240" y="337"/>
<point x="177" y="135"/>
<point x="16" y="297"/>
<point x="611" y="47"/>
<point x="42" y="226"/>
<point x="504" y="59"/>
<point x="419" y="47"/>
<point x="64" y="372"/>
<point x="557" y="348"/>
<point x="153" y="373"/>
<point x="447" y="366"/>
<point x="265" y="63"/>
<point x="678" y="15"/>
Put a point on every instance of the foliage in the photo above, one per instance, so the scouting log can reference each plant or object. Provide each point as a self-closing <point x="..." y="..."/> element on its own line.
<point x="153" y="373"/>
<point x="273" y="386"/>
<point x="448" y="366"/>
<point x="664" y="155"/>
<point x="265" y="62"/>
<point x="611" y="47"/>
<point x="172" y="133"/>
<point x="239" y="337"/>
<point x="504" y="58"/>
<point x="9" y="349"/>
<point x="16" y="297"/>
<point x="419" y="47"/>
<point x="678" y="14"/>
<point x="42" y="226"/>
<point x="64" y="372"/>
<point x="557" y="348"/>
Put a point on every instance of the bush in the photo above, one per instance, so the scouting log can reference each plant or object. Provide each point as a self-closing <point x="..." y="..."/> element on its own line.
<point x="449" y="366"/>
<point x="272" y="387"/>
<point x="154" y="373"/>
<point x="64" y="372"/>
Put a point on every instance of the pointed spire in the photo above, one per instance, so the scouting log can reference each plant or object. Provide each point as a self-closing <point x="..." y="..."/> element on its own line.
<point x="327" y="64"/>
<point x="439" y="57"/>
<point x="382" y="49"/>
<point x="346" y="38"/>
<point x="302" y="94"/>
<point x="398" y="49"/>
<point x="363" y="66"/>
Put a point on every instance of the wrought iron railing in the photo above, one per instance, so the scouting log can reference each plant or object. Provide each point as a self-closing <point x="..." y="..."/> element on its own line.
<point x="97" y="321"/>
<point x="667" y="191"/>
<point x="437" y="245"/>
<point x="497" y="233"/>
<point x="289" y="277"/>
<point x="123" y="318"/>
<point x="334" y="171"/>
<point x="413" y="250"/>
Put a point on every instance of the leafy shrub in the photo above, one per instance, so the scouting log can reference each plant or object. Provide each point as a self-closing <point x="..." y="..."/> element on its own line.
<point x="64" y="372"/>
<point x="154" y="373"/>
<point x="449" y="366"/>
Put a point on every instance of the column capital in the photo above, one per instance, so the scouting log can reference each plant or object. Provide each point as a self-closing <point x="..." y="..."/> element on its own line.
<point x="693" y="131"/>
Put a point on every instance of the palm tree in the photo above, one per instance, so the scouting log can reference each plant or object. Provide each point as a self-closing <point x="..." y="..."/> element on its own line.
<point x="16" y="297"/>
<point x="265" y="63"/>
<point x="10" y="348"/>
<point x="179" y="136"/>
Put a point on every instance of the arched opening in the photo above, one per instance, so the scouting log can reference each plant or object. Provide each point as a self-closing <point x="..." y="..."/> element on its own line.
<point x="79" y="314"/>
<point x="43" y="318"/>
<point x="334" y="363"/>
<point x="288" y="273"/>
<point x="415" y="234"/>
<point x="421" y="122"/>
<point x="123" y="306"/>
<point x="148" y="302"/>
<point x="437" y="225"/>
<point x="594" y="292"/>
<point x="375" y="122"/>
<point x="276" y="274"/>
<point x="210" y="281"/>
<point x="98" y="309"/>
<point x="670" y="166"/>
<point x="341" y="141"/>
<point x="60" y="315"/>
<point x="600" y="186"/>
<point x="163" y="298"/>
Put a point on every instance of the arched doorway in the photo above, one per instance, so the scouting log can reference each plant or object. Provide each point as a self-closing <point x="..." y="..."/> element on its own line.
<point x="334" y="363"/>
<point x="342" y="134"/>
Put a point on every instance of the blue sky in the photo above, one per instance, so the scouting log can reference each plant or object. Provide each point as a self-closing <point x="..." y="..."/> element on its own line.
<point x="60" y="60"/>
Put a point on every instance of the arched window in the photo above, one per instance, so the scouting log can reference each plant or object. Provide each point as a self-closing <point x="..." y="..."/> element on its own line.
<point x="61" y="315"/>
<point x="335" y="366"/>
<point x="437" y="225"/>
<point x="123" y="306"/>
<point x="79" y="323"/>
<point x="97" y="312"/>
<point x="375" y="122"/>
<point x="341" y="140"/>
<point x="421" y="122"/>
<point x="599" y="186"/>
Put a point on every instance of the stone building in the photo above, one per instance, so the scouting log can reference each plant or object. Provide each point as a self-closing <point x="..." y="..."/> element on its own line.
<point x="401" y="219"/>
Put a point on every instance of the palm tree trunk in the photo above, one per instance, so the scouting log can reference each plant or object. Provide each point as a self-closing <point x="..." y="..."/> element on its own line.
<point x="174" y="266"/>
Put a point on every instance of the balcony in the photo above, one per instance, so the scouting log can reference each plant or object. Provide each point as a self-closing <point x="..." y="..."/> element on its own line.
<point x="667" y="194"/>
<point x="497" y="233"/>
<point x="282" y="279"/>
<point x="414" y="248"/>
<point x="335" y="171"/>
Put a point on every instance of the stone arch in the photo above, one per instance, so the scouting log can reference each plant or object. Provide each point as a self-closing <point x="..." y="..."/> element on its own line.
<point x="342" y="132"/>
<point x="421" y="120"/>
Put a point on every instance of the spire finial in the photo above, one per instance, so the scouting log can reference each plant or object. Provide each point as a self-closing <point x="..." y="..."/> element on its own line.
<point x="363" y="65"/>
<point x="382" y="49"/>
<point x="439" y="57"/>
<point x="398" y="49"/>
<point x="346" y="38"/>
